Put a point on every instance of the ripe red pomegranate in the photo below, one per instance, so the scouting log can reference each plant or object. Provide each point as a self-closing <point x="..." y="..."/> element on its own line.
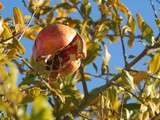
<point x="61" y="48"/>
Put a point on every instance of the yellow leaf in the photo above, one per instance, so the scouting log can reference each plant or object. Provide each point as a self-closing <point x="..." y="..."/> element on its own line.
<point x="132" y="26"/>
<point x="138" y="76"/>
<point x="1" y="6"/>
<point x="154" y="64"/>
<point x="18" y="19"/>
<point x="87" y="76"/>
<point x="131" y="40"/>
<point x="146" y="30"/>
<point x="158" y="23"/>
<point x="7" y="31"/>
<point x="31" y="32"/>
<point x="107" y="55"/>
<point x="123" y="9"/>
<point x="139" y="20"/>
<point x="113" y="38"/>
<point x="115" y="104"/>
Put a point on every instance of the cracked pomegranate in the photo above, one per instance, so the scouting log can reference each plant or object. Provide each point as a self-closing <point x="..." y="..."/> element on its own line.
<point x="61" y="48"/>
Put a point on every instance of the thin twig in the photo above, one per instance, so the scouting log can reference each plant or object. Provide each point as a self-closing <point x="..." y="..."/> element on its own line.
<point x="154" y="9"/>
<point x="123" y="49"/>
<point x="5" y="40"/>
<point x="84" y="84"/>
<point x="25" y="62"/>
<point x="122" y="42"/>
<point x="30" y="21"/>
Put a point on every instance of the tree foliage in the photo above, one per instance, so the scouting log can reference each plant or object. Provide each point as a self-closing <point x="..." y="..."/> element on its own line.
<point x="128" y="93"/>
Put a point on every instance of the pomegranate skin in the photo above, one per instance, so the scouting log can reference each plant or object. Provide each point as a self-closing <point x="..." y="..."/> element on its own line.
<point x="51" y="39"/>
<point x="61" y="48"/>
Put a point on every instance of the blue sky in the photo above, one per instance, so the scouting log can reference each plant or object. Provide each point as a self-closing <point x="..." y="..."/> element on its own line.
<point x="136" y="6"/>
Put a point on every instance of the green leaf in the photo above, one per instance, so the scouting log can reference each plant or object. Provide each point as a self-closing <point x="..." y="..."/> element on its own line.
<point x="85" y="8"/>
<point x="41" y="110"/>
<point x="101" y="29"/>
<point x="92" y="52"/>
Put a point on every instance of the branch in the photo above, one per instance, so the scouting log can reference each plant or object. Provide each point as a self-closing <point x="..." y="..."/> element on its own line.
<point x="95" y="92"/>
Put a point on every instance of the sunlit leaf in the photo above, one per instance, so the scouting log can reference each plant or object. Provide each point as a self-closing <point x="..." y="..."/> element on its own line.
<point x="1" y="6"/>
<point x="127" y="79"/>
<point x="101" y="29"/>
<point x="132" y="25"/>
<point x="146" y="30"/>
<point x="106" y="59"/>
<point x="18" y="19"/>
<point x="1" y="26"/>
<point x="113" y="38"/>
<point x="92" y="52"/>
<point x="41" y="110"/>
<point x="122" y="8"/>
<point x="139" y="76"/>
<point x="7" y="32"/>
<point x="87" y="76"/>
<point x="154" y="64"/>
<point x="158" y="23"/>
<point x="31" y="32"/>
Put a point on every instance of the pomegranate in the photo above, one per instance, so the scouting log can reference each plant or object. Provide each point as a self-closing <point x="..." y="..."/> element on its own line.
<point x="61" y="48"/>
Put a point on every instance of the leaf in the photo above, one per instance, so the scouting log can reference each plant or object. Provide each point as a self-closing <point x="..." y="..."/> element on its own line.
<point x="92" y="52"/>
<point x="122" y="8"/>
<point x="13" y="74"/>
<point x="7" y="32"/>
<point x="113" y="38"/>
<point x="158" y="23"/>
<point x="31" y="32"/>
<point x="139" y="76"/>
<point x="154" y="64"/>
<point x="146" y="30"/>
<point x="1" y="6"/>
<point x="132" y="25"/>
<point x="85" y="8"/>
<point x="18" y="19"/>
<point x="87" y="76"/>
<point x="127" y="79"/>
<point x="1" y="26"/>
<point x="106" y="59"/>
<point x="41" y="110"/>
<point x="35" y="92"/>
<point x="101" y="29"/>
<point x="72" y="22"/>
